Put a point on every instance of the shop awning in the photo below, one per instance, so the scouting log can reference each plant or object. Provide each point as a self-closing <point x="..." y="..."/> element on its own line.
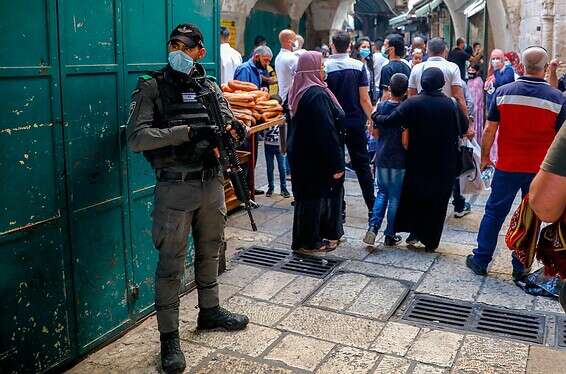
<point x="474" y="8"/>
<point x="425" y="9"/>
<point x="400" y="20"/>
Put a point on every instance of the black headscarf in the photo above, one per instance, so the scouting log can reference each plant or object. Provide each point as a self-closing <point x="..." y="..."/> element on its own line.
<point x="432" y="80"/>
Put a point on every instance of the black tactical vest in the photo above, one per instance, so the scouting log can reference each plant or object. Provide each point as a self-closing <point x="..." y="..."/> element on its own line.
<point x="179" y="104"/>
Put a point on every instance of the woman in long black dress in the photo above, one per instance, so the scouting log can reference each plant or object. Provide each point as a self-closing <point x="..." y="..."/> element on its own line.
<point x="435" y="126"/>
<point x="316" y="154"/>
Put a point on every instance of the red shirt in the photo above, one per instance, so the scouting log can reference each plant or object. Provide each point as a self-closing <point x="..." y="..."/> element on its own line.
<point x="529" y="112"/>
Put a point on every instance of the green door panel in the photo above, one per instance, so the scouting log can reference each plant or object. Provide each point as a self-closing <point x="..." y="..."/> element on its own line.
<point x="267" y="24"/>
<point x="204" y="14"/>
<point x="92" y="81"/>
<point x="36" y="320"/>
<point x="91" y="133"/>
<point x="34" y="317"/>
<point x="100" y="284"/>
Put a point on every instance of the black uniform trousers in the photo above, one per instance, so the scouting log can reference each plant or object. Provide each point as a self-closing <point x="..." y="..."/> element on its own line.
<point x="357" y="144"/>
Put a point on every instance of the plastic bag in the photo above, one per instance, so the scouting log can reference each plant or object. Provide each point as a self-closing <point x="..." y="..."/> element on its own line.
<point x="472" y="183"/>
<point x="539" y="284"/>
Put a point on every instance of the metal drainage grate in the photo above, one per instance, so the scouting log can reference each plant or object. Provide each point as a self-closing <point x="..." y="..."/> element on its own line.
<point x="288" y="262"/>
<point x="561" y="332"/>
<point x="439" y="311"/>
<point x="517" y="325"/>
<point x="477" y="317"/>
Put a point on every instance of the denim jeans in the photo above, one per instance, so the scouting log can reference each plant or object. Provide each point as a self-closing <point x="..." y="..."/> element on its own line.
<point x="272" y="151"/>
<point x="389" y="186"/>
<point x="504" y="188"/>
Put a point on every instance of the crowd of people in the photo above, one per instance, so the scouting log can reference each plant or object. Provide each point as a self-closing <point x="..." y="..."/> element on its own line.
<point x="401" y="113"/>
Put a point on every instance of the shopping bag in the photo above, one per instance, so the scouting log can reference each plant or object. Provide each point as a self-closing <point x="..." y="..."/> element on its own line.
<point x="471" y="182"/>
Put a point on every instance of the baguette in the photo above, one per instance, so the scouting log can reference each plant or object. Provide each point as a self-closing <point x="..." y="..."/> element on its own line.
<point x="226" y="88"/>
<point x="239" y="97"/>
<point x="243" y="86"/>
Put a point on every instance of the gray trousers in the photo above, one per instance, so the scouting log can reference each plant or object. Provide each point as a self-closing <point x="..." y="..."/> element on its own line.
<point x="179" y="208"/>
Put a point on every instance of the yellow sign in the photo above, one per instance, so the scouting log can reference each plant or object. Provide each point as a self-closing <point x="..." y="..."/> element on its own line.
<point x="231" y="26"/>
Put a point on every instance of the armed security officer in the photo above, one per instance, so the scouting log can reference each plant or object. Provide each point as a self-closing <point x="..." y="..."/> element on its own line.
<point x="169" y="124"/>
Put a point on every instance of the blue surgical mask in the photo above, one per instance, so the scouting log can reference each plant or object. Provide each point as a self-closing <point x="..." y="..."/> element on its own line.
<point x="181" y="62"/>
<point x="365" y="52"/>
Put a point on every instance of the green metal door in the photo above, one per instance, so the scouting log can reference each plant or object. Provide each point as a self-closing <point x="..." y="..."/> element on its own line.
<point x="36" y="319"/>
<point x="90" y="35"/>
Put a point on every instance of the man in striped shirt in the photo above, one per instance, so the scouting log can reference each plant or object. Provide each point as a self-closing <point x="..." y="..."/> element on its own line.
<point x="527" y="113"/>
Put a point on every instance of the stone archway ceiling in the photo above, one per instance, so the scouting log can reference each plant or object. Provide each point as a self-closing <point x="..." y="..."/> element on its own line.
<point x="373" y="7"/>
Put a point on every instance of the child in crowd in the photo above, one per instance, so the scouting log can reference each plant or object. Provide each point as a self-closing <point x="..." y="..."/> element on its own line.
<point x="272" y="147"/>
<point x="390" y="166"/>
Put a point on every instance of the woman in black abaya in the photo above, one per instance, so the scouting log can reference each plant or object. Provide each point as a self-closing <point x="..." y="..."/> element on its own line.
<point x="435" y="126"/>
<point x="316" y="154"/>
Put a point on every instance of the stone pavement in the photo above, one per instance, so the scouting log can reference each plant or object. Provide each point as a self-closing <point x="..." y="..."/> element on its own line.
<point x="349" y="322"/>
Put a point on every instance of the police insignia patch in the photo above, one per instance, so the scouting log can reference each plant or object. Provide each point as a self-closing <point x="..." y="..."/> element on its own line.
<point x="131" y="111"/>
<point x="189" y="97"/>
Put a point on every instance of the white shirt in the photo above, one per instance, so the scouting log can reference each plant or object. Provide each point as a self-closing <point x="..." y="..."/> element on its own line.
<point x="450" y="70"/>
<point x="285" y="66"/>
<point x="378" y="62"/>
<point x="230" y="59"/>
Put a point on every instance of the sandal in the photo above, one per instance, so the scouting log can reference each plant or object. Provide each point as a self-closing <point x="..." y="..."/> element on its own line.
<point x="331" y="245"/>
<point x="309" y="252"/>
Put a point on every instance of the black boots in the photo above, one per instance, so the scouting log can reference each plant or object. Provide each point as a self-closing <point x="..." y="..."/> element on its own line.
<point x="172" y="358"/>
<point x="217" y="317"/>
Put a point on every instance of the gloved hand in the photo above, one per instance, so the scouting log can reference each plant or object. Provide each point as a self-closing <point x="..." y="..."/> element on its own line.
<point x="198" y="133"/>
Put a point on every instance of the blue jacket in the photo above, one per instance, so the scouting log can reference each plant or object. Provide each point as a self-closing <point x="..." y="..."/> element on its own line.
<point x="248" y="72"/>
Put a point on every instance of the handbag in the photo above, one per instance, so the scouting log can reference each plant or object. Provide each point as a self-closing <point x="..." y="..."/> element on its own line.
<point x="466" y="161"/>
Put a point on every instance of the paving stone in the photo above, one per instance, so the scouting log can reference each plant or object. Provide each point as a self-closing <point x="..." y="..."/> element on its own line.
<point x="501" y="262"/>
<point x="435" y="347"/>
<point x="240" y="275"/>
<point x="350" y="248"/>
<point x="503" y="292"/>
<point x="392" y="365"/>
<point x="402" y="258"/>
<point x="348" y="360"/>
<point x="188" y="307"/>
<point x="427" y="369"/>
<point x="300" y="352"/>
<point x="470" y="223"/>
<point x="458" y="236"/>
<point x="449" y="277"/>
<point x="278" y="225"/>
<point x="487" y="355"/>
<point x="543" y="360"/>
<point x="379" y="298"/>
<point x="395" y="338"/>
<point x="296" y="291"/>
<point x="267" y="285"/>
<point x="338" y="328"/>
<point x="354" y="232"/>
<point x="252" y="341"/>
<point x="455" y="249"/>
<point x="382" y="271"/>
<point x="360" y="223"/>
<point x="286" y="239"/>
<point x="340" y="291"/>
<point x="356" y="207"/>
<point x="259" y="312"/>
<point x="548" y="305"/>
<point x="223" y="363"/>
<point x="262" y="214"/>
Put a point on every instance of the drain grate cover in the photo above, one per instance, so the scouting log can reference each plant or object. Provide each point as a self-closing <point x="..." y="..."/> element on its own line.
<point x="477" y="317"/>
<point x="561" y="332"/>
<point x="288" y="262"/>
<point x="517" y="325"/>
<point x="439" y="311"/>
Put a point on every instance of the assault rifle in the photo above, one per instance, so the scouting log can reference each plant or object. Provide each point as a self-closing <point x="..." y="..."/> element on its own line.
<point x="228" y="157"/>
